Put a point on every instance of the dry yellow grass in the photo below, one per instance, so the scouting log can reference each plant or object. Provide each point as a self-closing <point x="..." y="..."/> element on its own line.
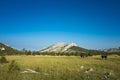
<point x="64" y="67"/>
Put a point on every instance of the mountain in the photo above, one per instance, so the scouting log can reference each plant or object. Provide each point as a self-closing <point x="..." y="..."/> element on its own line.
<point x="5" y="49"/>
<point x="110" y="50"/>
<point x="62" y="47"/>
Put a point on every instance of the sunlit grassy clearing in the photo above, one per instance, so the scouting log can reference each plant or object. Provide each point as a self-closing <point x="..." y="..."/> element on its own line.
<point x="64" y="67"/>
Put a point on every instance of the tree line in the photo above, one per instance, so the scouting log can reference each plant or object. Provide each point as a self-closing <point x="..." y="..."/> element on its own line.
<point x="76" y="53"/>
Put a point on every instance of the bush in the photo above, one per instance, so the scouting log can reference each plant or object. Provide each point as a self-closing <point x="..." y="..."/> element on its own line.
<point x="13" y="67"/>
<point x="3" y="60"/>
<point x="38" y="69"/>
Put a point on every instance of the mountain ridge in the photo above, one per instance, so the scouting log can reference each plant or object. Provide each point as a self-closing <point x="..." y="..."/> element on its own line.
<point x="62" y="47"/>
<point x="6" y="49"/>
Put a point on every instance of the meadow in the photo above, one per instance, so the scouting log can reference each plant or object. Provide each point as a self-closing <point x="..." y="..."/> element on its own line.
<point x="62" y="68"/>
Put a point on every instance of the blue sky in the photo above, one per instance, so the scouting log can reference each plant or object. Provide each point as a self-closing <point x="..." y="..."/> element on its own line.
<point x="36" y="24"/>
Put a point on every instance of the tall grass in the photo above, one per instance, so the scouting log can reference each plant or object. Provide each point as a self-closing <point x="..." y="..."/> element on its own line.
<point x="61" y="68"/>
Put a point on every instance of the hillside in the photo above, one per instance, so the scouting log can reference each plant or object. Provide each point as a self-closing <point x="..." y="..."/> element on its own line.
<point x="5" y="49"/>
<point x="58" y="47"/>
<point x="77" y="49"/>
<point x="64" y="49"/>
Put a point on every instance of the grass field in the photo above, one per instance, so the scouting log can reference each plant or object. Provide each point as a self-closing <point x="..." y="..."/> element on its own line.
<point x="62" y="68"/>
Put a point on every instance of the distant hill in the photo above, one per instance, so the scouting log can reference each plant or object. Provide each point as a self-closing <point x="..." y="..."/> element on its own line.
<point x="113" y="50"/>
<point x="5" y="49"/>
<point x="77" y="49"/>
<point x="57" y="49"/>
<point x="69" y="49"/>
<point x="64" y="49"/>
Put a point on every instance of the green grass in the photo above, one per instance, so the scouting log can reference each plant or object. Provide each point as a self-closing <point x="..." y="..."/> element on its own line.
<point x="62" y="68"/>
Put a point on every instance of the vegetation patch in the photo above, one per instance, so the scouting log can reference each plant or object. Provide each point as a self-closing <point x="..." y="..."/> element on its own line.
<point x="3" y="60"/>
<point x="13" y="67"/>
<point x="60" y="68"/>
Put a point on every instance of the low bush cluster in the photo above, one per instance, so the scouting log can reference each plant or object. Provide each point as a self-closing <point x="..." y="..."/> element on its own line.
<point x="3" y="60"/>
<point x="13" y="67"/>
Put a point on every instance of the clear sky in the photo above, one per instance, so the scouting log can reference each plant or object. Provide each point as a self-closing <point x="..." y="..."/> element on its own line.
<point x="36" y="24"/>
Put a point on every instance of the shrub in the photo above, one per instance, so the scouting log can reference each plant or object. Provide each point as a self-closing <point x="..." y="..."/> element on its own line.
<point x="38" y="69"/>
<point x="13" y="67"/>
<point x="3" y="60"/>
